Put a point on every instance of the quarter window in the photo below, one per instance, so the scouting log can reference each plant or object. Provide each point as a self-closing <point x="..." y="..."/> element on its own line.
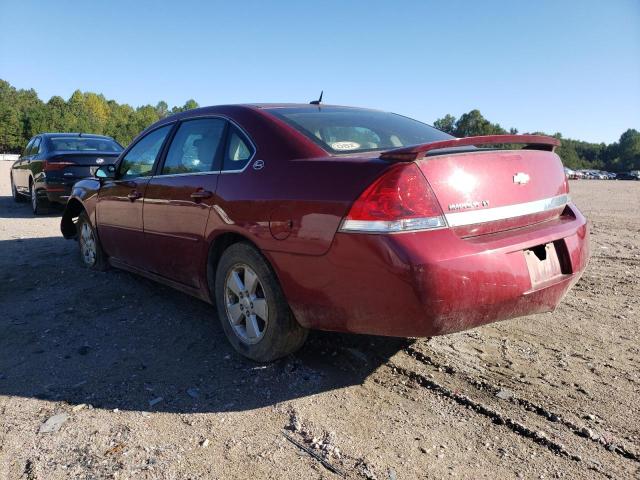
<point x="27" y="149"/>
<point x="35" y="147"/>
<point x="138" y="162"/>
<point x="194" y="146"/>
<point x="238" y="151"/>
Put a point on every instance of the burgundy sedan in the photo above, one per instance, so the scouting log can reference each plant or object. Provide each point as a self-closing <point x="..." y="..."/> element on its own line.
<point x="292" y="217"/>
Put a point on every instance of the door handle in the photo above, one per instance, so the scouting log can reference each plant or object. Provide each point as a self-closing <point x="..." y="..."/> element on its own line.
<point x="134" y="195"/>
<point x="200" y="194"/>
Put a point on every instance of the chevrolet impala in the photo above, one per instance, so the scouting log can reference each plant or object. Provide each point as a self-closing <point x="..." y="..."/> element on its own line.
<point x="290" y="217"/>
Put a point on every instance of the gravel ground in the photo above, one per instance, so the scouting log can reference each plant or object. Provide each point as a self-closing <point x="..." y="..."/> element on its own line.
<point x="108" y="375"/>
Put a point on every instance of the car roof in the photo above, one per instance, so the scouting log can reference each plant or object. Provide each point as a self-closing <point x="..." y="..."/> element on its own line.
<point x="72" y="134"/>
<point x="301" y="106"/>
<point x="212" y="109"/>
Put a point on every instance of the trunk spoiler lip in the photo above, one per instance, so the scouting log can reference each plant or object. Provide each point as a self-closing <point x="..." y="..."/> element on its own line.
<point x="416" y="152"/>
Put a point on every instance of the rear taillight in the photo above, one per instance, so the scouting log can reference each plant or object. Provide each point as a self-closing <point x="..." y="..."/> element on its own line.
<point x="53" y="166"/>
<point x="399" y="201"/>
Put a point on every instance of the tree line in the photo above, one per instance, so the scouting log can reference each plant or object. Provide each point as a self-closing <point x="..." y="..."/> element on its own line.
<point x="23" y="114"/>
<point x="619" y="156"/>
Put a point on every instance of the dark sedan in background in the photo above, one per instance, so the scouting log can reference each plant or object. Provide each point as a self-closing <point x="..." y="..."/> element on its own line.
<point x="628" y="176"/>
<point x="52" y="162"/>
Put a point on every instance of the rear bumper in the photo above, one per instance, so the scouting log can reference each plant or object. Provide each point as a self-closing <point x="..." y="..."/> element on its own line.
<point x="430" y="283"/>
<point x="57" y="192"/>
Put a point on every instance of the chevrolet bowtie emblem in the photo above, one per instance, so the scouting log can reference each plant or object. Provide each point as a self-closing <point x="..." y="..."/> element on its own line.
<point x="521" y="178"/>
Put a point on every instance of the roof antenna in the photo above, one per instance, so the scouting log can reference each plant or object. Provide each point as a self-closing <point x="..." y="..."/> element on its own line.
<point x="317" y="102"/>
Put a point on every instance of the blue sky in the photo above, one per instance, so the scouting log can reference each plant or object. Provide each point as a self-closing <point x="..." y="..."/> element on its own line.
<point x="567" y="66"/>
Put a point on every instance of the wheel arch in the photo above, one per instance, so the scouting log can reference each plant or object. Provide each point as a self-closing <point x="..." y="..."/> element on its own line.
<point x="72" y="210"/>
<point x="217" y="246"/>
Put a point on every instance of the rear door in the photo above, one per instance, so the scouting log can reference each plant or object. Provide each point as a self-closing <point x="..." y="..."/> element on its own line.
<point x="20" y="177"/>
<point x="178" y="199"/>
<point x="36" y="159"/>
<point x="119" y="205"/>
<point x="31" y="166"/>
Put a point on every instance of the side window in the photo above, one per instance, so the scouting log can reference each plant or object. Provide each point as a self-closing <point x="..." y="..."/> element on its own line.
<point x="194" y="146"/>
<point x="27" y="149"/>
<point x="139" y="161"/>
<point x="238" y="151"/>
<point x="35" y="147"/>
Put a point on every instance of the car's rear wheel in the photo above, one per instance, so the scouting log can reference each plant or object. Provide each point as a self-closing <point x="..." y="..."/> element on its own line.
<point x="253" y="311"/>
<point x="91" y="253"/>
<point x="17" y="197"/>
<point x="38" y="205"/>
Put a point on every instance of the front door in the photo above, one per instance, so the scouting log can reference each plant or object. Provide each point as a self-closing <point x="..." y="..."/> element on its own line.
<point x="178" y="199"/>
<point x="120" y="200"/>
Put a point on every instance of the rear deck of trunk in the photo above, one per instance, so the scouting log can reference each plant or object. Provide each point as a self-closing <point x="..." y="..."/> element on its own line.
<point x="488" y="191"/>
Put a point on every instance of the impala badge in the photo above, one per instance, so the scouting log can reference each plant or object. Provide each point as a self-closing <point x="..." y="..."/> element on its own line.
<point x="471" y="204"/>
<point x="521" y="178"/>
<point x="99" y="160"/>
<point x="258" y="165"/>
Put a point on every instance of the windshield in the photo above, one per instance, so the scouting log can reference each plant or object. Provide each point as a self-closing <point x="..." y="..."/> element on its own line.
<point x="79" y="144"/>
<point x="350" y="130"/>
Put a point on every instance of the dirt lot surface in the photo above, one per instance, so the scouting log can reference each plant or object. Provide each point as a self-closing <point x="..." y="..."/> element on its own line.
<point x="107" y="375"/>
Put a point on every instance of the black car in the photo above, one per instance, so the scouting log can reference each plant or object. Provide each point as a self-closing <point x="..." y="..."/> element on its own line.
<point x="627" y="176"/>
<point x="52" y="162"/>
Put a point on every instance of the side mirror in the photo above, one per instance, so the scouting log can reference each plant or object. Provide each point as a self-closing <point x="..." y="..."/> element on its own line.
<point x="105" y="171"/>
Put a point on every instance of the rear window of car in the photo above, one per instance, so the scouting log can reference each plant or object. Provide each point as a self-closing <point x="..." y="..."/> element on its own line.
<point x="78" y="144"/>
<point x="350" y="130"/>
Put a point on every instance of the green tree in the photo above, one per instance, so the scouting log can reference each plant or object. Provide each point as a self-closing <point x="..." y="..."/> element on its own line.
<point x="162" y="109"/>
<point x="10" y="129"/>
<point x="189" y="105"/>
<point x="57" y="115"/>
<point x="447" y="124"/>
<point x="473" y="124"/>
<point x="629" y="150"/>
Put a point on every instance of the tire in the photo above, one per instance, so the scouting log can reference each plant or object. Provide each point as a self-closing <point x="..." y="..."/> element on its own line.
<point x="91" y="254"/>
<point x="38" y="205"/>
<point x="254" y="315"/>
<point x="17" y="196"/>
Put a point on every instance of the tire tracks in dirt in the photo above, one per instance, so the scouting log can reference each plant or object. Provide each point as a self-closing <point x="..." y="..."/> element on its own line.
<point x="542" y="411"/>
<point x="523" y="417"/>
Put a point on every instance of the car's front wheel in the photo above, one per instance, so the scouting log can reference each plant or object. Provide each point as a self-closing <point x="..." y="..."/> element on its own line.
<point x="253" y="311"/>
<point x="91" y="253"/>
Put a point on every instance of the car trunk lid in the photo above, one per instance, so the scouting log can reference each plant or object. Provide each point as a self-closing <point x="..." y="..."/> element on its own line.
<point x="77" y="165"/>
<point x="484" y="191"/>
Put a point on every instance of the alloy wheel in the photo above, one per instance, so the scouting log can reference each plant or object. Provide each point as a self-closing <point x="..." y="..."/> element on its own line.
<point x="245" y="304"/>
<point x="88" y="245"/>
